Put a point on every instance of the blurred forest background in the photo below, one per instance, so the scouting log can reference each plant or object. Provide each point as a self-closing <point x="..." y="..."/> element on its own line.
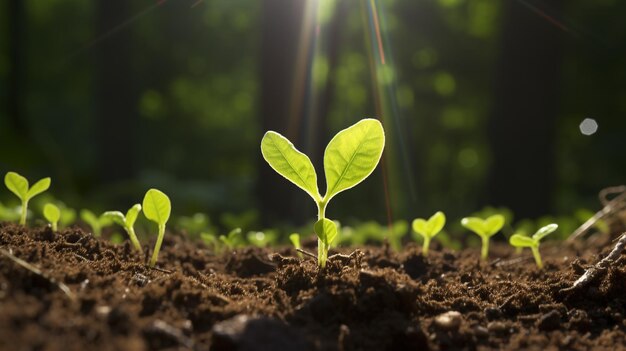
<point x="482" y="101"/>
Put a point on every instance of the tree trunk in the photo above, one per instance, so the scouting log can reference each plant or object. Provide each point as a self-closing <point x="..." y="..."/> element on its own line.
<point x="281" y="26"/>
<point x="16" y="49"/>
<point x="522" y="124"/>
<point x="115" y="96"/>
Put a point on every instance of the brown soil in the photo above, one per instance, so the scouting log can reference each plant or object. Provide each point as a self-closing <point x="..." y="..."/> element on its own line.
<point x="93" y="295"/>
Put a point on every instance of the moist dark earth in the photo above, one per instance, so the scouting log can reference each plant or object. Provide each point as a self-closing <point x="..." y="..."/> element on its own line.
<point x="70" y="291"/>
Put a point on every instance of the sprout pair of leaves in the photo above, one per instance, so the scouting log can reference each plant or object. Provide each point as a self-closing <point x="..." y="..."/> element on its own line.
<point x="485" y="228"/>
<point x="58" y="215"/>
<point x="429" y="228"/>
<point x="295" y="241"/>
<point x="95" y="222"/>
<point x="127" y="222"/>
<point x="349" y="158"/>
<point x="519" y="240"/>
<point x="52" y="214"/>
<point x="18" y="185"/>
<point x="157" y="208"/>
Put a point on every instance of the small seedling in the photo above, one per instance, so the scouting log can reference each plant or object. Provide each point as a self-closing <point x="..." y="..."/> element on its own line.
<point x="127" y="222"/>
<point x="68" y="216"/>
<point x="485" y="228"/>
<point x="157" y="208"/>
<point x="429" y="228"/>
<point x="262" y="239"/>
<point x="211" y="240"/>
<point x="233" y="239"/>
<point x="19" y="186"/>
<point x="96" y="223"/>
<point x="52" y="214"/>
<point x="520" y="241"/>
<point x="349" y="158"/>
<point x="295" y="240"/>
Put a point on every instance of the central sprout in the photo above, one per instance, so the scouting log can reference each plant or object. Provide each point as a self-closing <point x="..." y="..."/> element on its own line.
<point x="350" y="157"/>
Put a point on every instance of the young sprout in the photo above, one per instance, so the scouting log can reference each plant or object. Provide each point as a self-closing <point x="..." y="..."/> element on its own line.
<point x="19" y="186"/>
<point x="520" y="241"/>
<point x="233" y="239"/>
<point x="127" y="222"/>
<point x="485" y="228"/>
<point x="52" y="214"/>
<point x="262" y="239"/>
<point x="349" y="158"/>
<point x="157" y="208"/>
<point x="429" y="228"/>
<point x="68" y="216"/>
<point x="96" y="223"/>
<point x="295" y="240"/>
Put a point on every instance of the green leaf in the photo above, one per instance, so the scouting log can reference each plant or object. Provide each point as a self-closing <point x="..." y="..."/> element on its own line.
<point x="420" y="226"/>
<point x="543" y="231"/>
<point x="116" y="216"/>
<point x="519" y="240"/>
<point x="493" y="224"/>
<point x="326" y="230"/>
<point x="38" y="188"/>
<point x="157" y="206"/>
<point x="17" y="184"/>
<point x="52" y="213"/>
<point x="436" y="223"/>
<point x="89" y="218"/>
<point x="475" y="224"/>
<point x="295" y="240"/>
<point x="131" y="215"/>
<point x="352" y="155"/>
<point x="292" y="164"/>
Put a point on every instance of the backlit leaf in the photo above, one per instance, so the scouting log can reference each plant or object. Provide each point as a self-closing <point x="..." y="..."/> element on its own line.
<point x="292" y="164"/>
<point x="157" y="206"/>
<point x="17" y="184"/>
<point x="352" y="155"/>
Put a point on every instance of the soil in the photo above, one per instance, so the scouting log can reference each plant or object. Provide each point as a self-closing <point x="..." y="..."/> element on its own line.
<point x="71" y="291"/>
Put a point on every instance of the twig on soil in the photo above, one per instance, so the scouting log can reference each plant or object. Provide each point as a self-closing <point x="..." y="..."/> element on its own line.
<point x="38" y="272"/>
<point x="512" y="261"/>
<point x="81" y="257"/>
<point x="610" y="206"/>
<point x="307" y="253"/>
<point x="600" y="269"/>
<point x="160" y="270"/>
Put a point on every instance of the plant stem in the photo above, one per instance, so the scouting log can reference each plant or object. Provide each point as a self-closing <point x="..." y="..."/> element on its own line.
<point x="322" y="251"/>
<point x="54" y="226"/>
<point x="425" y="246"/>
<point x="484" y="252"/>
<point x="133" y="238"/>
<point x="535" y="250"/>
<point x="157" y="246"/>
<point x="24" y="211"/>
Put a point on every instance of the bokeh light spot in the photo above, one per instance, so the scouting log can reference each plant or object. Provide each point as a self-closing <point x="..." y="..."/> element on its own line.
<point x="588" y="126"/>
<point x="468" y="158"/>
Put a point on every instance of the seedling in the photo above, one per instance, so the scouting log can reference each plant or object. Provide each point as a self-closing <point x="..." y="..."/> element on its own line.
<point x="233" y="239"/>
<point x="96" y="223"/>
<point x="520" y="241"/>
<point x="349" y="158"/>
<point x="429" y="228"/>
<point x="52" y="214"/>
<point x="127" y="222"/>
<point x="295" y="240"/>
<point x="19" y="186"/>
<point x="485" y="228"/>
<point x="157" y="208"/>
<point x="262" y="239"/>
